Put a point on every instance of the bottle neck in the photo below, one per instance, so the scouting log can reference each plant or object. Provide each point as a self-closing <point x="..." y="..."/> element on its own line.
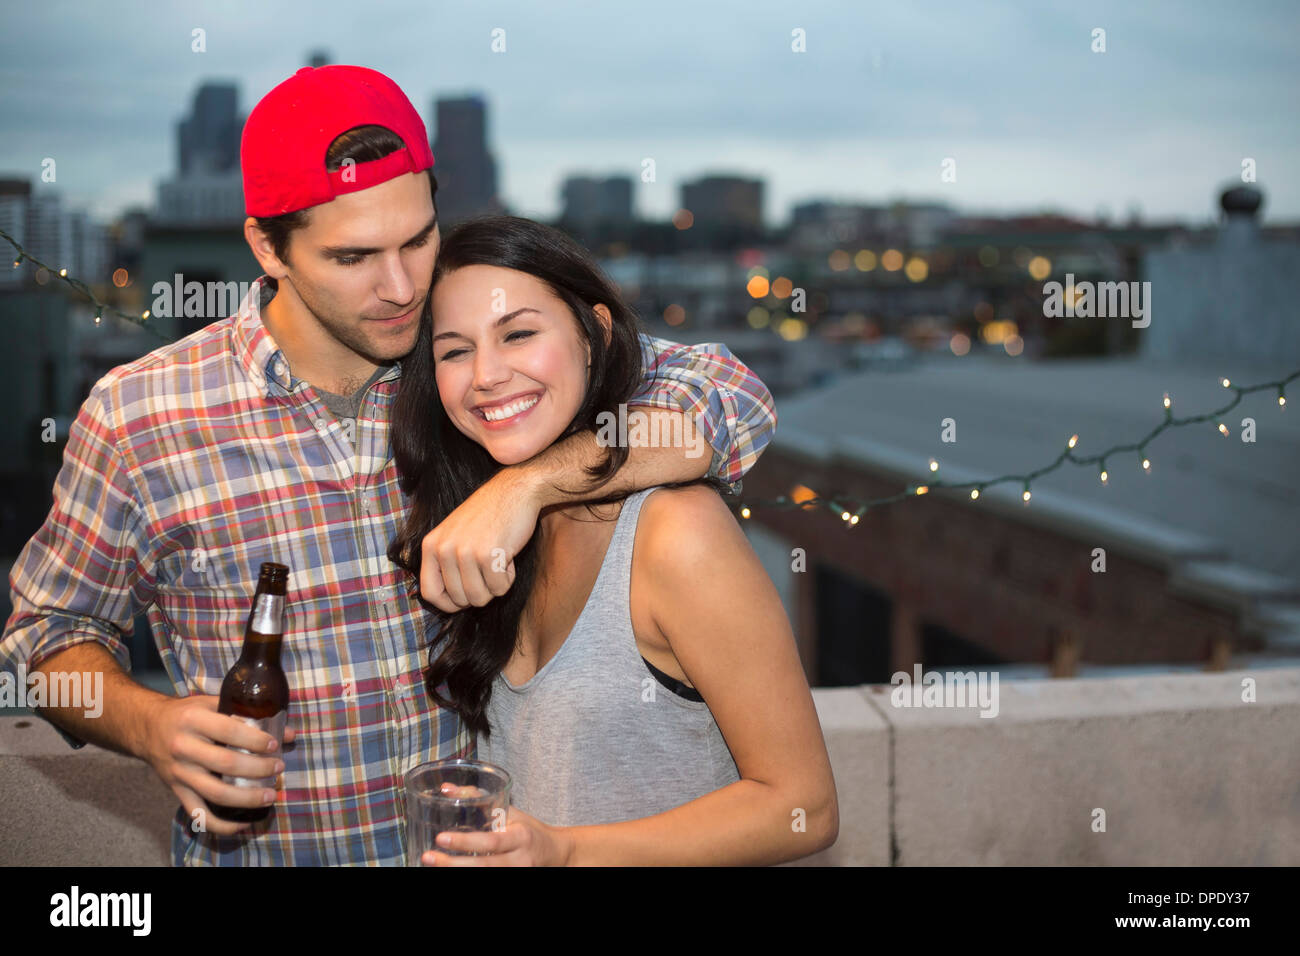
<point x="265" y="630"/>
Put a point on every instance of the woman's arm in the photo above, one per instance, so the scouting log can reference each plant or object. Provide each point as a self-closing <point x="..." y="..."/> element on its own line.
<point x="733" y="640"/>
<point x="720" y="613"/>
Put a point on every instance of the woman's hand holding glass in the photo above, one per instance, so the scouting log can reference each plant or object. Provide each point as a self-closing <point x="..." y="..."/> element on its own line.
<point x="523" y="841"/>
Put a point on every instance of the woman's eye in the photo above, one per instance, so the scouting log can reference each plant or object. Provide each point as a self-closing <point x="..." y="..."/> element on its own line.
<point x="452" y="354"/>
<point x="523" y="332"/>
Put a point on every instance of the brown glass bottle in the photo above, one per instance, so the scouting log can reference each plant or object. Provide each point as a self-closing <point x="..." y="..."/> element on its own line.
<point x="255" y="689"/>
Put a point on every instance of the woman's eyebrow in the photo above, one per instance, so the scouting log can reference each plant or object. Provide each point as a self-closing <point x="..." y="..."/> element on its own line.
<point x="367" y="250"/>
<point x="497" y="324"/>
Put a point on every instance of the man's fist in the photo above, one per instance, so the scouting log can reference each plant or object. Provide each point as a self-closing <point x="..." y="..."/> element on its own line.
<point x="469" y="558"/>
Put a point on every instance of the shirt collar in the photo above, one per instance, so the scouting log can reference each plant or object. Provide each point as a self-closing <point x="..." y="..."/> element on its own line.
<point x="263" y="361"/>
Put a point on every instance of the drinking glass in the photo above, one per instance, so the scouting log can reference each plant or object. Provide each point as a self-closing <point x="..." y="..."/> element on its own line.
<point x="475" y="797"/>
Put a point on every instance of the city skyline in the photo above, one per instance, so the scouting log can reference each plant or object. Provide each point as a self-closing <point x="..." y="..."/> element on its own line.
<point x="1035" y="120"/>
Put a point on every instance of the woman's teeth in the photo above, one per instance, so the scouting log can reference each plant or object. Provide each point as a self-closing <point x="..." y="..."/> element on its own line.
<point x="509" y="411"/>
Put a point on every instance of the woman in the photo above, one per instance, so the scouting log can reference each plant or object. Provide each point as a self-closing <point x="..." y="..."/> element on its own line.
<point x="639" y="681"/>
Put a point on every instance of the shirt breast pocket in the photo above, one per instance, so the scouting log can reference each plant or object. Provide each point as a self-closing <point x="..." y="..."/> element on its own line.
<point x="205" y="593"/>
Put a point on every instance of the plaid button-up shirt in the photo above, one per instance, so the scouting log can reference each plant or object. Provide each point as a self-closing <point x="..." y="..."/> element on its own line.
<point x="187" y="468"/>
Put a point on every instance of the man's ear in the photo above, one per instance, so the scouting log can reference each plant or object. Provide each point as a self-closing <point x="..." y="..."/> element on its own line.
<point x="606" y="320"/>
<point x="263" y="251"/>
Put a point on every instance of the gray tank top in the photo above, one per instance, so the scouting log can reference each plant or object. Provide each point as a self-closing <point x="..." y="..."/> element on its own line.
<point x="594" y="737"/>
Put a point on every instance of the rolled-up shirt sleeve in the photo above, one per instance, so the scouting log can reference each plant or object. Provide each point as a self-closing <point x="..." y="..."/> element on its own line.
<point x="731" y="405"/>
<point x="80" y="578"/>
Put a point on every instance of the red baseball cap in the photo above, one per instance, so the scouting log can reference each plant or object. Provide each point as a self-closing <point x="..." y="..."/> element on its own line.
<point x="282" y="151"/>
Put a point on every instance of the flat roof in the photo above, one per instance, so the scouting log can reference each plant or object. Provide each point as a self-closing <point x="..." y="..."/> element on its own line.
<point x="1227" y="511"/>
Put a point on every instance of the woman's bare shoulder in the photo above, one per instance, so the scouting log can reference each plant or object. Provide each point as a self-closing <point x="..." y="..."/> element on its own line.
<point x="694" y="519"/>
<point x="688" y="501"/>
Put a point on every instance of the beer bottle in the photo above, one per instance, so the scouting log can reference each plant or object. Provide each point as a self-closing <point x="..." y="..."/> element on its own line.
<point x="255" y="689"/>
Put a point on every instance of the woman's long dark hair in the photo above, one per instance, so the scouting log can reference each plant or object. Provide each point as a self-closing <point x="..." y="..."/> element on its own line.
<point x="439" y="466"/>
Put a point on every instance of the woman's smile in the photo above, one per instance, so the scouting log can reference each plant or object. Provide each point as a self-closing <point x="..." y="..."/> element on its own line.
<point x="498" y="417"/>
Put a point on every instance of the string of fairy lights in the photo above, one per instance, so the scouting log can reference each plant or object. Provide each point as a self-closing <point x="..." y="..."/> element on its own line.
<point x="852" y="509"/>
<point x="849" y="508"/>
<point x="101" y="307"/>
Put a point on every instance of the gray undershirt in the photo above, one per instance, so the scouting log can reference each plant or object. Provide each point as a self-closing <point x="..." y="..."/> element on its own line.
<point x="349" y="406"/>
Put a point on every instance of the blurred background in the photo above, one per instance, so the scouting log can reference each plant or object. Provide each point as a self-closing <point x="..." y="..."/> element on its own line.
<point x="866" y="204"/>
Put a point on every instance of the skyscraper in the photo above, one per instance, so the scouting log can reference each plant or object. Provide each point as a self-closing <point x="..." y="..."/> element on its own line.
<point x="15" y="194"/>
<point x="725" y="201"/>
<point x="725" y="210"/>
<point x="465" y="169"/>
<point x="208" y="139"/>
<point x="591" y="202"/>
<point x="49" y="231"/>
<point x="207" y="188"/>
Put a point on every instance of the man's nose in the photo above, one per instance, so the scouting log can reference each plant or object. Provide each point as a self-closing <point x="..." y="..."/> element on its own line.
<point x="395" y="283"/>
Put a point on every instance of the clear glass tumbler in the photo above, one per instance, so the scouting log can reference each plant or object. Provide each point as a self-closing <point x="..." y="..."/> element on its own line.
<point x="464" y="795"/>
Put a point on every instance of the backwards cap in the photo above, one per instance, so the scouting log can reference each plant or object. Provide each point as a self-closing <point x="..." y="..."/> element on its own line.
<point x="282" y="151"/>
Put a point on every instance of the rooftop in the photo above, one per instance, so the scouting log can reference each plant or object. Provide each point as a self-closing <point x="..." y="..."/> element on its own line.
<point x="1206" y="496"/>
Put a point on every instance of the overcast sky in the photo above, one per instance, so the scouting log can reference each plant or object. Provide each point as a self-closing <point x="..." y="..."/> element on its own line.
<point x="883" y="94"/>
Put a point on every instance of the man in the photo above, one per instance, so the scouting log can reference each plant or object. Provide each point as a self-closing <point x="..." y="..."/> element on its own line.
<point x="264" y="437"/>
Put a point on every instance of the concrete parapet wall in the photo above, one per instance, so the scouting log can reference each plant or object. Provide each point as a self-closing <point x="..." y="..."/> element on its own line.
<point x="1185" y="771"/>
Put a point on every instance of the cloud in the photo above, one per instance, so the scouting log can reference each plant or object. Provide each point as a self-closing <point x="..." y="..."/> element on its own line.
<point x="1011" y="90"/>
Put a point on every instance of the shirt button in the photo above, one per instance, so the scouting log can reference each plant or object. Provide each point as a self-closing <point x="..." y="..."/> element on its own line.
<point x="320" y="425"/>
<point x="279" y="368"/>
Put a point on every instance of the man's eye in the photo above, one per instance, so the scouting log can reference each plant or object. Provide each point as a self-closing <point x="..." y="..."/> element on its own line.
<point x="353" y="260"/>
